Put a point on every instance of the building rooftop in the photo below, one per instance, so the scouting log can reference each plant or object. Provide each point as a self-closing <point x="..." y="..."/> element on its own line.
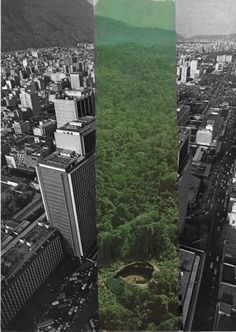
<point x="47" y="122"/>
<point x="14" y="256"/>
<point x="232" y="234"/>
<point x="227" y="294"/>
<point x="64" y="159"/>
<point x="191" y="267"/>
<point x="183" y="134"/>
<point x="31" y="145"/>
<point x="73" y="95"/>
<point x="5" y="238"/>
<point x="194" y="185"/>
<point x="226" y="323"/>
<point x="11" y="229"/>
<point x="187" y="259"/>
<point x="201" y="169"/>
<point x="199" y="153"/>
<point x="225" y="308"/>
<point x="78" y="125"/>
<point x="225" y="319"/>
<point x="233" y="194"/>
<point x="229" y="274"/>
<point x="230" y="253"/>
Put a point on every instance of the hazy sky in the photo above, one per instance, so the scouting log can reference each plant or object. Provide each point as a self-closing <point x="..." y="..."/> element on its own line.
<point x="203" y="17"/>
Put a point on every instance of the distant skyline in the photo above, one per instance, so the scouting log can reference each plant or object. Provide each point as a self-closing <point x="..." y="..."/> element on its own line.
<point x="205" y="17"/>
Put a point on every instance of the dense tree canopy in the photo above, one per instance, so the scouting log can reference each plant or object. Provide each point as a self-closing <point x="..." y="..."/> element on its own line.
<point x="137" y="182"/>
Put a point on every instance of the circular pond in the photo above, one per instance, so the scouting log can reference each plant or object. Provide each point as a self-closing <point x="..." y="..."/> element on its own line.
<point x="138" y="273"/>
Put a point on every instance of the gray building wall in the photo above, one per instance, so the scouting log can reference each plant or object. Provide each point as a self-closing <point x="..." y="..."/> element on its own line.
<point x="20" y="287"/>
<point x="70" y="204"/>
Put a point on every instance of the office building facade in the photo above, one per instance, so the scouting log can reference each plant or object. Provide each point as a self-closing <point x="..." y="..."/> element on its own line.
<point x="73" y="108"/>
<point x="79" y="135"/>
<point x="26" y="263"/>
<point x="184" y="173"/>
<point x="30" y="100"/>
<point x="65" y="109"/>
<point x="67" y="183"/>
<point x="75" y="81"/>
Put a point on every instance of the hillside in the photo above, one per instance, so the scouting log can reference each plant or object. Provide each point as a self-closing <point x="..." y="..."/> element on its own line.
<point x="32" y="23"/>
<point x="139" y="13"/>
<point x="179" y="37"/>
<point x="109" y="32"/>
<point x="144" y="22"/>
<point x="213" y="37"/>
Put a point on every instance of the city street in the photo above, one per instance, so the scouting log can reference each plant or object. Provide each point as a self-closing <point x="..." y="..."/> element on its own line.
<point x="217" y="209"/>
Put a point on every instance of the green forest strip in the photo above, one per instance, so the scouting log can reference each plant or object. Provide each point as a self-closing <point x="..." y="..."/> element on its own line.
<point x="136" y="182"/>
<point x="137" y="210"/>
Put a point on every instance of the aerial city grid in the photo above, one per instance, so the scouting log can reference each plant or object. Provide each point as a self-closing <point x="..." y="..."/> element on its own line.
<point x="206" y="116"/>
<point x="48" y="259"/>
<point x="48" y="228"/>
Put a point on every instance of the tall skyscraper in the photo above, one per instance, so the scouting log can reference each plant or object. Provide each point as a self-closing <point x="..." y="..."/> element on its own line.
<point x="224" y="58"/>
<point x="79" y="135"/>
<point x="184" y="73"/>
<point x="30" y="100"/>
<point x="183" y="114"/>
<point x="66" y="110"/>
<point x="73" y="108"/>
<point x="219" y="66"/>
<point x="193" y="68"/>
<point x="184" y="171"/>
<point x="75" y="81"/>
<point x="67" y="183"/>
<point x="204" y="136"/>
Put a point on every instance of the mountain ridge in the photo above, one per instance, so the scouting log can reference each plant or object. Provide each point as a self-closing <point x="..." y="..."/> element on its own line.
<point x="139" y="13"/>
<point x="33" y="24"/>
<point x="208" y="37"/>
<point x="112" y="32"/>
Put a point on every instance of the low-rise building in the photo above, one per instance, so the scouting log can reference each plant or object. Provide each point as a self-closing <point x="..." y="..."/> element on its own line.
<point x="45" y="128"/>
<point x="25" y="263"/>
<point x="28" y="152"/>
<point x="22" y="127"/>
<point x="225" y="316"/>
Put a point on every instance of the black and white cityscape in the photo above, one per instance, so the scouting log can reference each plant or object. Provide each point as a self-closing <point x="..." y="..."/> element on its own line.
<point x="48" y="228"/>
<point x="206" y="116"/>
<point x="49" y="265"/>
